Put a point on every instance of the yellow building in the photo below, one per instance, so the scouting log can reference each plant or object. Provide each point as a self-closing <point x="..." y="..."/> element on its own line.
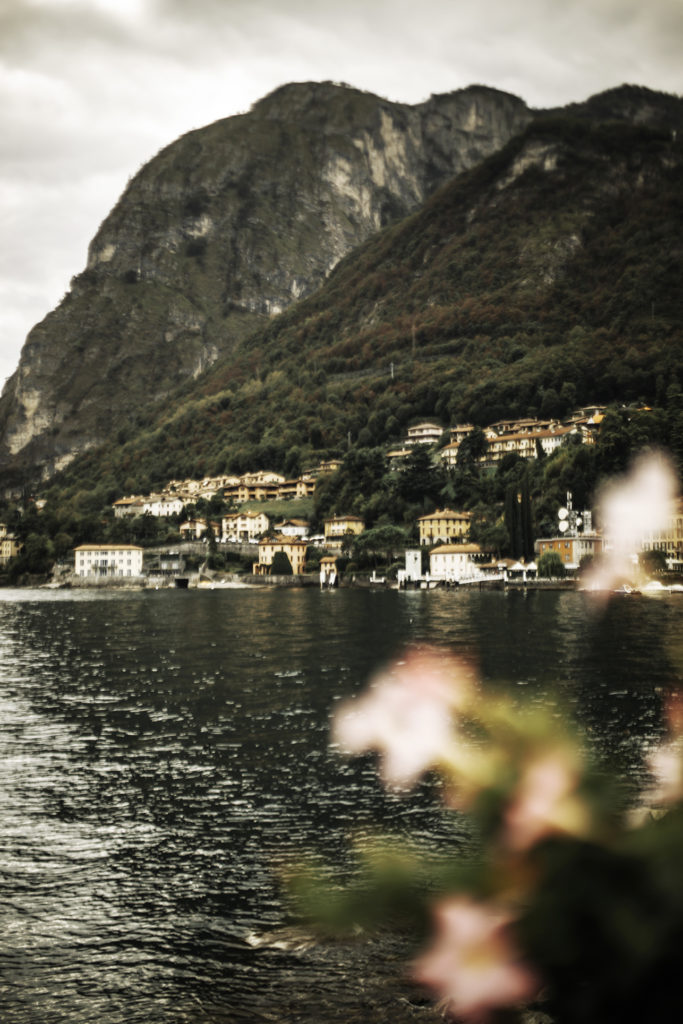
<point x="339" y="527"/>
<point x="443" y="526"/>
<point x="9" y="545"/>
<point x="397" y="456"/>
<point x="294" y="549"/>
<point x="449" y="454"/>
<point x="570" y="549"/>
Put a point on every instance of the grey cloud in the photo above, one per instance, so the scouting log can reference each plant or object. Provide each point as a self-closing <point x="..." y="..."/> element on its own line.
<point x="87" y="94"/>
<point x="27" y="30"/>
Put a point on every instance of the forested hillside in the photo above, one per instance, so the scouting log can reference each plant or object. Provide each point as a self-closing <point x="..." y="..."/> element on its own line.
<point x="546" y="277"/>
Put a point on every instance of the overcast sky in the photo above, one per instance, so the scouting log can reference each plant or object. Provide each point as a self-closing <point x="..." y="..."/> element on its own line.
<point x="91" y="89"/>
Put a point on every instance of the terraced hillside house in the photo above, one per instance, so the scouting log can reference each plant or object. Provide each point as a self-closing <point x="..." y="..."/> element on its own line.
<point x="244" y="526"/>
<point x="424" y="433"/>
<point x="338" y="527"/>
<point x="300" y="487"/>
<point x="131" y="506"/>
<point x="293" y="528"/>
<point x="443" y="526"/>
<point x="108" y="560"/>
<point x="163" y="505"/>
<point x="194" y="529"/>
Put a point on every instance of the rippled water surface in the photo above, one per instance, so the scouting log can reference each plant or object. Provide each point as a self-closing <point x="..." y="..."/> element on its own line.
<point x="161" y="753"/>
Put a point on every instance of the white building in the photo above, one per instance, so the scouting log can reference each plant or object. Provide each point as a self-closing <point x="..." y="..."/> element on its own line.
<point x="130" y="506"/>
<point x="424" y="433"/>
<point x="669" y="538"/>
<point x="194" y="529"/>
<point x="293" y="528"/>
<point x="108" y="560"/>
<point x="455" y="562"/>
<point x="163" y="505"/>
<point x="413" y="570"/>
<point x="244" y="526"/>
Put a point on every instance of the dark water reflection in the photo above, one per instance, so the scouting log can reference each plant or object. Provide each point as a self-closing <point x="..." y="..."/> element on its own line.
<point x="160" y="753"/>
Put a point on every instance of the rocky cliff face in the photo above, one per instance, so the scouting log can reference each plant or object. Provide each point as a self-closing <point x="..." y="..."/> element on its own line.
<point x="223" y="229"/>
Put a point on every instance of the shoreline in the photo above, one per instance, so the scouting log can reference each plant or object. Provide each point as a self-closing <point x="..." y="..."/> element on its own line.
<point x="234" y="581"/>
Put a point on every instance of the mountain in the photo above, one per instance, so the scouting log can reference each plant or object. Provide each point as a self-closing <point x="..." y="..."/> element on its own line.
<point x="221" y="231"/>
<point x="545" y="277"/>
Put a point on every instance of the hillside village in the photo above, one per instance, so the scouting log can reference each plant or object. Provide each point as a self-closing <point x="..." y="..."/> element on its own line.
<point x="277" y="544"/>
<point x="231" y="522"/>
<point x="527" y="438"/>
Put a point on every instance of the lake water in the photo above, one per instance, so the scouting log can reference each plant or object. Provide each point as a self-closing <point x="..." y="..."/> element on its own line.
<point x="162" y="752"/>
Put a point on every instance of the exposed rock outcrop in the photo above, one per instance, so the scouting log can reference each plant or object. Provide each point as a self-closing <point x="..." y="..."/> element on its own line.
<point x="224" y="228"/>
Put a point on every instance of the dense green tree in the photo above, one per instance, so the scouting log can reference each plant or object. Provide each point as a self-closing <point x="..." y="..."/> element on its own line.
<point x="281" y="565"/>
<point x="472" y="447"/>
<point x="551" y="566"/>
<point x="293" y="461"/>
<point x="379" y="544"/>
<point x="653" y="562"/>
<point x="420" y="476"/>
<point x="518" y="519"/>
<point x="614" y="443"/>
<point x="488" y="530"/>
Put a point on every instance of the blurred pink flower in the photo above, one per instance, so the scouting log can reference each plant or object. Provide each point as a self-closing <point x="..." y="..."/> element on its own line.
<point x="673" y="709"/>
<point x="474" y="964"/>
<point x="407" y="714"/>
<point x="666" y="767"/>
<point x="629" y="509"/>
<point x="665" y="763"/>
<point x="545" y="801"/>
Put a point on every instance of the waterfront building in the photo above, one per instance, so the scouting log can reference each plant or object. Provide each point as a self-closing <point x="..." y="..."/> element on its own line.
<point x="668" y="539"/>
<point x="413" y="568"/>
<point x="328" y="571"/>
<point x="294" y="549"/>
<point x="108" y="560"/>
<point x="455" y="562"/>
<point x="571" y="549"/>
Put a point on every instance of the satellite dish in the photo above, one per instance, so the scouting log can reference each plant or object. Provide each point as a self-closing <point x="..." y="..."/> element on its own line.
<point x="562" y="514"/>
<point x="564" y="525"/>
